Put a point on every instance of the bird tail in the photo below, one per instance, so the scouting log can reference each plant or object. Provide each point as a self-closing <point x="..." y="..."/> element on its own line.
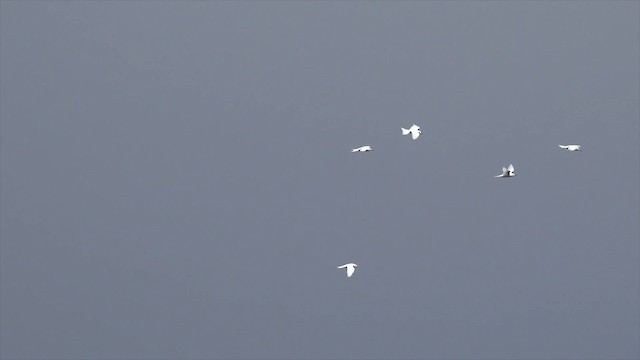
<point x="354" y="150"/>
<point x="405" y="131"/>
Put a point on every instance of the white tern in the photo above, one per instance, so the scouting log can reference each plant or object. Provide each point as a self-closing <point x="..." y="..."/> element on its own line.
<point x="571" y="147"/>
<point x="351" y="267"/>
<point x="414" y="130"/>
<point x="507" y="172"/>
<point x="362" y="149"/>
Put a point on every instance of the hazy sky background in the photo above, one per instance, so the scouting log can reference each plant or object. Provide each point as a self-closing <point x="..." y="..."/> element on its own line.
<point x="177" y="182"/>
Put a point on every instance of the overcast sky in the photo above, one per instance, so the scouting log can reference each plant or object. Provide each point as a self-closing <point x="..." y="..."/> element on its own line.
<point x="177" y="181"/>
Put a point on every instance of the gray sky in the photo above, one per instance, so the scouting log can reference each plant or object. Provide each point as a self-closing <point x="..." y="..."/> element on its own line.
<point x="177" y="182"/>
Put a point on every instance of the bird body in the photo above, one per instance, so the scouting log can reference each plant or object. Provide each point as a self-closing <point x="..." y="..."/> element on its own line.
<point x="351" y="268"/>
<point x="507" y="172"/>
<point x="571" y="147"/>
<point x="362" y="149"/>
<point x="414" y="130"/>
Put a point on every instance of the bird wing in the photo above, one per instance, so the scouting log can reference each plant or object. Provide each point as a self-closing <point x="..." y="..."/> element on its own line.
<point x="511" y="169"/>
<point x="415" y="134"/>
<point x="350" y="271"/>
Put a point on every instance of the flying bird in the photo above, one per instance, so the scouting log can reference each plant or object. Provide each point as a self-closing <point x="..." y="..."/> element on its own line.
<point x="351" y="267"/>
<point x="362" y="149"/>
<point x="414" y="130"/>
<point x="507" y="172"/>
<point x="571" y="147"/>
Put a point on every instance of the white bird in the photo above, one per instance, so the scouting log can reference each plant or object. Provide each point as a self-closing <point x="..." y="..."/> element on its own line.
<point x="571" y="147"/>
<point x="507" y="172"/>
<point x="362" y="149"/>
<point x="351" y="267"/>
<point x="414" y="130"/>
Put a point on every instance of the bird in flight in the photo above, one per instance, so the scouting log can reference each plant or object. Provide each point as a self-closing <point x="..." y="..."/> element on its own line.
<point x="351" y="267"/>
<point x="414" y="130"/>
<point x="571" y="147"/>
<point x="362" y="149"/>
<point x="507" y="172"/>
